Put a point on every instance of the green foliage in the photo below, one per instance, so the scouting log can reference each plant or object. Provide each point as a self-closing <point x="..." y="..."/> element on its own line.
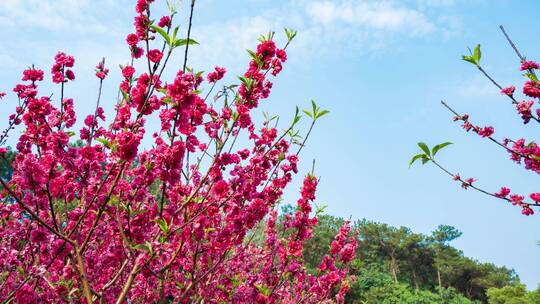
<point x="316" y="111"/>
<point x="439" y="147"/>
<point x="6" y="161"/>
<point x="171" y="40"/>
<point x="291" y="34"/>
<point x="396" y="265"/>
<point x="427" y="155"/>
<point x="323" y="235"/>
<point x="474" y="56"/>
<point x="399" y="293"/>
<point x="444" y="234"/>
<point x="513" y="294"/>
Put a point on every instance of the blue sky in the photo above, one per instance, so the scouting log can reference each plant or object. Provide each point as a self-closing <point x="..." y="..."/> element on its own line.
<point x="381" y="67"/>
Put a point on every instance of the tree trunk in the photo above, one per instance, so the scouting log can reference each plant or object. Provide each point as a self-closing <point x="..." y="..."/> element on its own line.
<point x="393" y="267"/>
<point x="414" y="279"/>
<point x="439" y="276"/>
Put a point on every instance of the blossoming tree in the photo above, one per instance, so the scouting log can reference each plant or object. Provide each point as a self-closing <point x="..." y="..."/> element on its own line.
<point x="108" y="221"/>
<point x="523" y="152"/>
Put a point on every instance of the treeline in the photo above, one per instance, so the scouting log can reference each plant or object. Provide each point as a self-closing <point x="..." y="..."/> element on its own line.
<point x="396" y="265"/>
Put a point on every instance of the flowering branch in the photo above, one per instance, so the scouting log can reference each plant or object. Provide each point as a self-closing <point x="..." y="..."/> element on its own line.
<point x="109" y="221"/>
<point x="519" y="151"/>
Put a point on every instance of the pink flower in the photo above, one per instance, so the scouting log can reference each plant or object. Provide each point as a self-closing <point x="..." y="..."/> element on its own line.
<point x="155" y="55"/>
<point x="467" y="126"/>
<point x="128" y="71"/>
<point x="486" y="131"/>
<point x="531" y="89"/>
<point x="508" y="91"/>
<point x="503" y="192"/>
<point x="165" y="21"/>
<point x="70" y="75"/>
<point x="468" y="182"/>
<point x="101" y="71"/>
<point x="516" y="199"/>
<point x="101" y="75"/>
<point x="137" y="52"/>
<point x="59" y="71"/>
<point x="347" y="253"/>
<point x="132" y="40"/>
<point x="128" y="144"/>
<point x="221" y="188"/>
<point x="527" y="211"/>
<point x="529" y="65"/>
<point x="216" y="75"/>
<point x="63" y="59"/>
<point x="524" y="108"/>
<point x="535" y="197"/>
<point x="32" y="75"/>
<point x="141" y="6"/>
<point x="38" y="235"/>
<point x="281" y="55"/>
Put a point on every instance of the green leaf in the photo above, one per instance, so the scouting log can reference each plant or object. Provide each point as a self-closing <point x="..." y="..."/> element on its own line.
<point x="532" y="77"/>
<point x="147" y="246"/>
<point x="162" y="32"/>
<point x="125" y="95"/>
<point x="425" y="159"/>
<point x="235" y="282"/>
<point x="308" y="113"/>
<point x="163" y="225"/>
<point x="424" y="148"/>
<point x="415" y="158"/>
<point x="242" y="79"/>
<point x="320" y="209"/>
<point x="263" y="289"/>
<point x="469" y="59"/>
<point x="322" y="113"/>
<point x="296" y="116"/>
<point x="477" y="54"/>
<point x="104" y="142"/>
<point x="255" y="58"/>
<point x="439" y="147"/>
<point x="70" y="133"/>
<point x="290" y="34"/>
<point x="175" y="31"/>
<point x="181" y="42"/>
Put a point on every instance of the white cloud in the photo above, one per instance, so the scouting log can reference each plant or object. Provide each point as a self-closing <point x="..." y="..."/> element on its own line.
<point x="225" y="41"/>
<point x="436" y="3"/>
<point x="374" y="15"/>
<point x="323" y="25"/>
<point x="54" y="15"/>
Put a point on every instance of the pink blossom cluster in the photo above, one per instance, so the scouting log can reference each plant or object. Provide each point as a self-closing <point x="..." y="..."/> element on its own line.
<point x="521" y="151"/>
<point x="61" y="71"/>
<point x="112" y="221"/>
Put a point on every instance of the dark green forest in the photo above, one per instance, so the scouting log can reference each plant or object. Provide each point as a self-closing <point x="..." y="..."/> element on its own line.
<point x="397" y="265"/>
